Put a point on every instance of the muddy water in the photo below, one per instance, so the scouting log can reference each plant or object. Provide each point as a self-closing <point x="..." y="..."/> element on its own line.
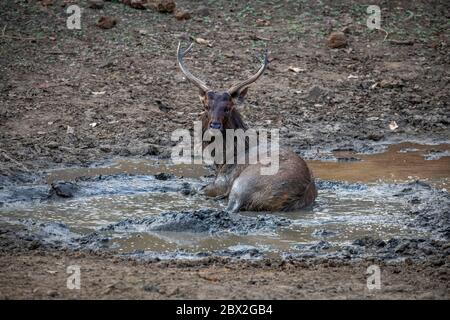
<point x="400" y="162"/>
<point x="148" y="167"/>
<point x="343" y="211"/>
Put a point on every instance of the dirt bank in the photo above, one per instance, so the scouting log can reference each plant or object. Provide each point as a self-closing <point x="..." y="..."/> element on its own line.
<point x="56" y="83"/>
<point x="29" y="272"/>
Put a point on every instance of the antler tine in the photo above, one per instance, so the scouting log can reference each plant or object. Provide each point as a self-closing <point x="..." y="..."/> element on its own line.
<point x="180" y="55"/>
<point x="243" y="84"/>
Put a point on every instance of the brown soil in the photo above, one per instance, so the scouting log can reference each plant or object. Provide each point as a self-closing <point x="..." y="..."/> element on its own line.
<point x="42" y="275"/>
<point x="51" y="76"/>
<point x="51" y="90"/>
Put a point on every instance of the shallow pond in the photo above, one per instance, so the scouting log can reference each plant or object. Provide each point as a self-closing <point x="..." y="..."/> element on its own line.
<point x="371" y="202"/>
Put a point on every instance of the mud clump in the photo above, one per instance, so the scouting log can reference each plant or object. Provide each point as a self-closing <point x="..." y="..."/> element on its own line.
<point x="373" y="248"/>
<point x="24" y="193"/>
<point x="337" y="40"/>
<point x="369" y="242"/>
<point x="322" y="233"/>
<point x="57" y="235"/>
<point x="106" y="22"/>
<point x="163" y="6"/>
<point x="96" y="4"/>
<point x="136" y="4"/>
<point x="164" y="176"/>
<point x="182" y="15"/>
<point x="235" y="253"/>
<point x="211" y="221"/>
<point x="436" y="155"/>
<point x="63" y="189"/>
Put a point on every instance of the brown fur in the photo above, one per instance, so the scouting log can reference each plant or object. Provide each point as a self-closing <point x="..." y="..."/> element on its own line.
<point x="291" y="188"/>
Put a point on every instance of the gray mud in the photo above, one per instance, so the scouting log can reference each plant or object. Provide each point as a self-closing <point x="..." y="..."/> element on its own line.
<point x="349" y="220"/>
<point x="210" y="221"/>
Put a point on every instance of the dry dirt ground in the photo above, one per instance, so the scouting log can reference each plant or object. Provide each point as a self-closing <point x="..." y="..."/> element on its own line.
<point x="55" y="83"/>
<point x="42" y="274"/>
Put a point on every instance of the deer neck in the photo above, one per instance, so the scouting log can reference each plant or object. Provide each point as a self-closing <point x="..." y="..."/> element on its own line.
<point x="235" y="122"/>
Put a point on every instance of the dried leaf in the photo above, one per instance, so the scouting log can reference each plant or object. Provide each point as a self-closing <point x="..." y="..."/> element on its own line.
<point x="263" y="22"/>
<point x="46" y="3"/>
<point x="296" y="69"/>
<point x="98" y="93"/>
<point x="393" y="125"/>
<point x="203" y="41"/>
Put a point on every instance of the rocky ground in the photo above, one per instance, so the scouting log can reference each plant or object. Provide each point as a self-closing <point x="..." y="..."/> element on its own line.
<point x="74" y="97"/>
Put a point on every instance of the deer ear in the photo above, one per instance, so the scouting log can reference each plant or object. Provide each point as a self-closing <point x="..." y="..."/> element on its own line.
<point x="203" y="98"/>
<point x="239" y="96"/>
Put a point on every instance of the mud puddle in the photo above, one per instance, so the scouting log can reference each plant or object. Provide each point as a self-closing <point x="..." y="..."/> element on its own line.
<point x="151" y="209"/>
<point x="398" y="163"/>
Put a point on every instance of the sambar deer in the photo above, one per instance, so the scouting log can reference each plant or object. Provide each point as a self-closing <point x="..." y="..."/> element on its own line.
<point x="291" y="188"/>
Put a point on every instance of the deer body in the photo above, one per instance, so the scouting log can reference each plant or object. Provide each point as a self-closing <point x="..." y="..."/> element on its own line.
<point x="292" y="187"/>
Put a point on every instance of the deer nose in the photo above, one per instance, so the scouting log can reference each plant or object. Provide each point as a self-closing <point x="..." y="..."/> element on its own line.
<point x="215" y="125"/>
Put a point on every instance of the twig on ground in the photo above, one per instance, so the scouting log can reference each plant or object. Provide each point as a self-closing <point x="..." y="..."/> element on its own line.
<point x="8" y="36"/>
<point x="386" y="33"/>
<point x="13" y="160"/>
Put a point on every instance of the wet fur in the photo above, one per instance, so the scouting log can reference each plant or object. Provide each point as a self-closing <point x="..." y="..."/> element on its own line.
<point x="291" y="188"/>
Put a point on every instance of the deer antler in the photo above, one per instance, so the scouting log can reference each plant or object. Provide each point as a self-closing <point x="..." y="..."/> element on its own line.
<point x="180" y="55"/>
<point x="236" y="88"/>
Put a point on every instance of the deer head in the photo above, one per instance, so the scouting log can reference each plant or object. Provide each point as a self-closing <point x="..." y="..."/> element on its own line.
<point x="220" y="112"/>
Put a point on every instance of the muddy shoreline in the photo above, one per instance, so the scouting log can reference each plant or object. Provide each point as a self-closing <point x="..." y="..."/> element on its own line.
<point x="32" y="271"/>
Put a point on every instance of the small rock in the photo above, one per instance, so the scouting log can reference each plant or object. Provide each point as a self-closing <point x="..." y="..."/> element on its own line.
<point x="182" y="15"/>
<point x="53" y="145"/>
<point x="346" y="29"/>
<point x="187" y="189"/>
<point x="164" y="176"/>
<point x="390" y="83"/>
<point x="33" y="245"/>
<point x="96" y="4"/>
<point x="142" y="150"/>
<point x="63" y="189"/>
<point x="202" y="11"/>
<point x="369" y="242"/>
<point x="316" y="93"/>
<point x="337" y="40"/>
<point x="106" y="22"/>
<point x="52" y="293"/>
<point x="105" y="148"/>
<point x="150" y="288"/>
<point x="136" y="4"/>
<point x="163" y="6"/>
<point x="321" y="245"/>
